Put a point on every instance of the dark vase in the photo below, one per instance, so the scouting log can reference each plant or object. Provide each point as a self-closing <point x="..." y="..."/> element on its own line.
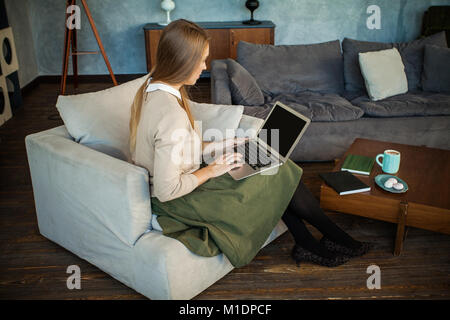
<point x="252" y="5"/>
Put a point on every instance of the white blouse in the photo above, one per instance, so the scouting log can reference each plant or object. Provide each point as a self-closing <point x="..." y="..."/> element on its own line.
<point x="162" y="86"/>
<point x="166" y="144"/>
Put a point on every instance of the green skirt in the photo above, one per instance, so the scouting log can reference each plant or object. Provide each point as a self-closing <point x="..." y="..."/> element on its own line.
<point x="229" y="216"/>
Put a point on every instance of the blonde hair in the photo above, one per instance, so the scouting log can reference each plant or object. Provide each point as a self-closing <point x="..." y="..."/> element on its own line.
<point x="180" y="50"/>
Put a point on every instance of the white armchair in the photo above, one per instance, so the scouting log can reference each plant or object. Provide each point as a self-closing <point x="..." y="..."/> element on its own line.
<point x="98" y="207"/>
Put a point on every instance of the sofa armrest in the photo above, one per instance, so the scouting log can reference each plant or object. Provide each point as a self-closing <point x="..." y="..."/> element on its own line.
<point x="76" y="184"/>
<point x="220" y="88"/>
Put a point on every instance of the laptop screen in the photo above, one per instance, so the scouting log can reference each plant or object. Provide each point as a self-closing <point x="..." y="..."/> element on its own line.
<point x="289" y="127"/>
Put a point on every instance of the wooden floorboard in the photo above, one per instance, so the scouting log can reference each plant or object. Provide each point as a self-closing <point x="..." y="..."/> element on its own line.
<point x="33" y="267"/>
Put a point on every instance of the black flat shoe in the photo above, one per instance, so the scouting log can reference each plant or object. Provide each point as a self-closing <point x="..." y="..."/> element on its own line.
<point x="340" y="249"/>
<point x="300" y="254"/>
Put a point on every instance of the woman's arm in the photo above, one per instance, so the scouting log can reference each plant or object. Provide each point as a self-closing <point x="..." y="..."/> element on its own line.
<point x="205" y="144"/>
<point x="203" y="174"/>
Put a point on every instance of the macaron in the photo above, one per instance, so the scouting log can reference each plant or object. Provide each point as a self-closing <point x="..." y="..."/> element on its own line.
<point x="388" y="184"/>
<point x="393" y="180"/>
<point x="398" y="186"/>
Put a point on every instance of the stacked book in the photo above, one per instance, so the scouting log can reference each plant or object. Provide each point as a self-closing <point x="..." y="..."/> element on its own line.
<point x="344" y="182"/>
<point x="358" y="164"/>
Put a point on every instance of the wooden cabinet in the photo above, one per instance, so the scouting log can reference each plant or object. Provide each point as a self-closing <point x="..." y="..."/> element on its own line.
<point x="255" y="35"/>
<point x="225" y="37"/>
<point x="219" y="45"/>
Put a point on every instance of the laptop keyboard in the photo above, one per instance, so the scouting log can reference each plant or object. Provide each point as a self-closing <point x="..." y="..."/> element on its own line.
<point x="256" y="155"/>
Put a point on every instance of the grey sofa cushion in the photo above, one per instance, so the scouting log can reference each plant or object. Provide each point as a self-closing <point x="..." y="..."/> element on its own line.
<point x="244" y="89"/>
<point x="317" y="106"/>
<point x="417" y="103"/>
<point x="412" y="56"/>
<point x="411" y="52"/>
<point x="436" y="69"/>
<point x="294" y="68"/>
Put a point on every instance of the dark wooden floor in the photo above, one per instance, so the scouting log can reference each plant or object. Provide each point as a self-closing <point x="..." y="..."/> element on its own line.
<point x="32" y="267"/>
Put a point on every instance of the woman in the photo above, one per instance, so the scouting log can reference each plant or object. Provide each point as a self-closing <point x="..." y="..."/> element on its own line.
<point x="197" y="203"/>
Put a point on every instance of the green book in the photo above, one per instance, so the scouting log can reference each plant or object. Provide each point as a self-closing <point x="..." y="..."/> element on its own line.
<point x="358" y="164"/>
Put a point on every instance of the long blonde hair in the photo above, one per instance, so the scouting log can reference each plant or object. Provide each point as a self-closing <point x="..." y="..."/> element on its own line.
<point x="180" y="50"/>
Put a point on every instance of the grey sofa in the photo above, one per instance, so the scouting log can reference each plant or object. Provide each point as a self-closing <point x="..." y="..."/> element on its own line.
<point x="324" y="82"/>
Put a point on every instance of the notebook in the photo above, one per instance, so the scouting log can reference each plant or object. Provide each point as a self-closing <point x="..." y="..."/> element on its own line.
<point x="343" y="182"/>
<point x="358" y="164"/>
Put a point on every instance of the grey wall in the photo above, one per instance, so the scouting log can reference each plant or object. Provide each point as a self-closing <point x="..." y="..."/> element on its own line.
<point x="120" y="25"/>
<point x="19" y="20"/>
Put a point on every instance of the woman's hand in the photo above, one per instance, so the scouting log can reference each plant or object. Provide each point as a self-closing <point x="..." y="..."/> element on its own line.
<point x="234" y="141"/>
<point x="224" y="163"/>
<point x="215" y="146"/>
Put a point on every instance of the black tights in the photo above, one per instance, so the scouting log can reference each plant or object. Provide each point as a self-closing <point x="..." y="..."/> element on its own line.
<point x="303" y="205"/>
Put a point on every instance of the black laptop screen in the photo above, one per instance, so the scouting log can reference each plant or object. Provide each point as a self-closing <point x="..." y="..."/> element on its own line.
<point x="289" y="127"/>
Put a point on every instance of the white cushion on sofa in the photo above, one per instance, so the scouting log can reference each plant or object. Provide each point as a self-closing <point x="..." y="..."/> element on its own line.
<point x="384" y="73"/>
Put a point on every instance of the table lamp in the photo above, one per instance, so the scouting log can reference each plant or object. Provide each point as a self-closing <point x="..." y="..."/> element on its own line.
<point x="167" y="6"/>
<point x="252" y="5"/>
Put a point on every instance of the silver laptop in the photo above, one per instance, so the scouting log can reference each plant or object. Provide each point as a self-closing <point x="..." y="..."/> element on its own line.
<point x="274" y="142"/>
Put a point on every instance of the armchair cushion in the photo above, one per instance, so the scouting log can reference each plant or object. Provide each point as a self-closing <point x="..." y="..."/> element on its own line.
<point x="218" y="121"/>
<point x="248" y="126"/>
<point x="244" y="89"/>
<point x="100" y="120"/>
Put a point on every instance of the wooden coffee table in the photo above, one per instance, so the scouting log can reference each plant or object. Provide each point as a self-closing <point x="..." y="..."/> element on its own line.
<point x="425" y="205"/>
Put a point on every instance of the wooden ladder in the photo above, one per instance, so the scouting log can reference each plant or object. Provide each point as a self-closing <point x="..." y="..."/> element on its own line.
<point x="70" y="47"/>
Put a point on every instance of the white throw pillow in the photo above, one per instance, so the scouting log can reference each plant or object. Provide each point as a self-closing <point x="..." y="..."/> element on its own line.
<point x="384" y="73"/>
<point x="248" y="126"/>
<point x="223" y="118"/>
<point x="101" y="119"/>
